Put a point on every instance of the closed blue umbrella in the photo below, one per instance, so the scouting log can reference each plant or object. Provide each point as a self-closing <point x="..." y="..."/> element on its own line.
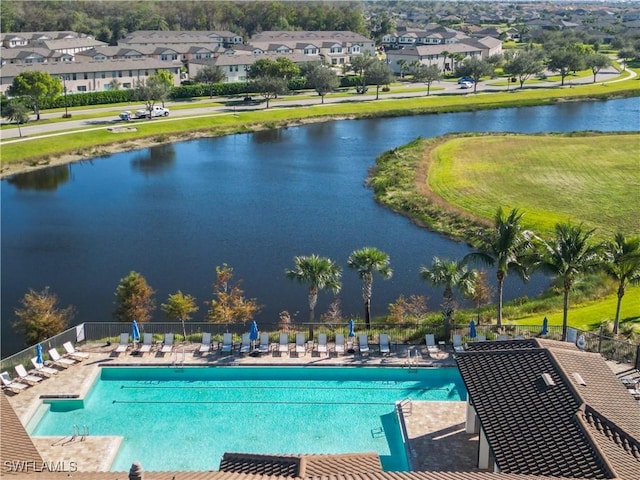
<point x="135" y="331"/>
<point x="352" y="328"/>
<point x="39" y="358"/>
<point x="545" y="326"/>
<point x="472" y="329"/>
<point x="253" y="332"/>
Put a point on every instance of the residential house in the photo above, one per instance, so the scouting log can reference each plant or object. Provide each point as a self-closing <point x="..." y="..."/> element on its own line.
<point x="211" y="39"/>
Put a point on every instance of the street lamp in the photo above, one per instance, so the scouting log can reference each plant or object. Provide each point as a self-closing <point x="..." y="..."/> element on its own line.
<point x="66" y="111"/>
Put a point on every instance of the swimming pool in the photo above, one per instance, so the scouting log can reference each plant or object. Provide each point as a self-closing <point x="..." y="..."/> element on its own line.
<point x="187" y="418"/>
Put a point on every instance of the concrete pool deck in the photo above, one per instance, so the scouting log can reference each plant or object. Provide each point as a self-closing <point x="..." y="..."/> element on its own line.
<point x="436" y="430"/>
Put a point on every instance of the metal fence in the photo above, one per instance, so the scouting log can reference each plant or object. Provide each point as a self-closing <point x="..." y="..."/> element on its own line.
<point x="411" y="334"/>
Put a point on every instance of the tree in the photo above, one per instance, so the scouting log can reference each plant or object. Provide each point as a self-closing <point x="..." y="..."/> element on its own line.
<point x="415" y="308"/>
<point x="480" y="292"/>
<point x="568" y="257"/>
<point x="449" y="274"/>
<point x="36" y="86"/>
<point x="564" y="60"/>
<point x="378" y="73"/>
<point x="210" y="74"/>
<point x="39" y="316"/>
<point x="625" y="54"/>
<point x="180" y="307"/>
<point x="360" y="64"/>
<point x="523" y="65"/>
<point x="596" y="62"/>
<point x="16" y="111"/>
<point x="426" y="74"/>
<point x="270" y="87"/>
<point x="134" y="299"/>
<point x="508" y="247"/>
<point x="162" y="82"/>
<point x="152" y="90"/>
<point x="321" y="273"/>
<point x="622" y="263"/>
<point x="404" y="67"/>
<point x="367" y="261"/>
<point x="229" y="305"/>
<point x="282" y="68"/>
<point x="475" y="68"/>
<point x="322" y="79"/>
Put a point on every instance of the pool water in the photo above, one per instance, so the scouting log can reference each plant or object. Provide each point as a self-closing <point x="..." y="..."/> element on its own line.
<point x="185" y="419"/>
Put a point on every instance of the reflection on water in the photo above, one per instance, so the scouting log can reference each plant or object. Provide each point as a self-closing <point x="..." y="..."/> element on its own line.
<point x="155" y="160"/>
<point x="45" y="179"/>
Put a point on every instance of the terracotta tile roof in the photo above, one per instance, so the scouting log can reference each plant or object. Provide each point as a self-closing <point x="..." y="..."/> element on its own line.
<point x="567" y="425"/>
<point x="16" y="444"/>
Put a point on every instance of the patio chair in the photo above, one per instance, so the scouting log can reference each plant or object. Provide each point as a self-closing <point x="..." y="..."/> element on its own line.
<point x="384" y="344"/>
<point x="481" y="338"/>
<point x="42" y="369"/>
<point x="283" y="345"/>
<point x="147" y="343"/>
<point x="322" y="343"/>
<point x="301" y="348"/>
<point x="502" y="338"/>
<point x="73" y="353"/>
<point x="167" y="345"/>
<point x="457" y="343"/>
<point x="245" y="346"/>
<point x="339" y="346"/>
<point x="10" y="384"/>
<point x="205" y="346"/>
<point x="363" y="343"/>
<point x="60" y="361"/>
<point x="227" y="343"/>
<point x="430" y="340"/>
<point x="26" y="377"/>
<point x="124" y="343"/>
<point x="264" y="343"/>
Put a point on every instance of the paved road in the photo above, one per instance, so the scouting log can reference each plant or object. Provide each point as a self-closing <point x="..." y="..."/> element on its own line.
<point x="109" y="115"/>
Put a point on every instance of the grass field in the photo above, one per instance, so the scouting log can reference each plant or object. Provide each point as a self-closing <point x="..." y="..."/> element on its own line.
<point x="552" y="178"/>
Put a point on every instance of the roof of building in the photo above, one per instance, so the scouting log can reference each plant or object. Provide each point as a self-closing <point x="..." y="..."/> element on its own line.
<point x="16" y="445"/>
<point x="59" y="68"/>
<point x="559" y="400"/>
<point x="287" y="36"/>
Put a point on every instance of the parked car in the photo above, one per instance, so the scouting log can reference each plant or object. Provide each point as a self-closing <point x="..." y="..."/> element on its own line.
<point x="156" y="111"/>
<point x="465" y="79"/>
<point x="126" y="116"/>
<point x="466" y="85"/>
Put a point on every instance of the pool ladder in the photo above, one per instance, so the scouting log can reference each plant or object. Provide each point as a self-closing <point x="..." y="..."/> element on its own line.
<point x="175" y="357"/>
<point x="411" y="362"/>
<point x="406" y="407"/>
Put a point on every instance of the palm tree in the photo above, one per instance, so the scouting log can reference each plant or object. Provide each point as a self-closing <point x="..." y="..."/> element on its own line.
<point x="567" y="257"/>
<point x="622" y="264"/>
<point x="366" y="261"/>
<point x="320" y="273"/>
<point x="449" y="274"/>
<point x="508" y="248"/>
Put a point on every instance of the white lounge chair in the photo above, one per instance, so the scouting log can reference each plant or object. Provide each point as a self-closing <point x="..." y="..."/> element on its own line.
<point x="363" y="343"/>
<point x="283" y="345"/>
<point x="384" y="344"/>
<point x="481" y="338"/>
<point x="264" y="343"/>
<point x="13" y="385"/>
<point x="227" y="343"/>
<point x="502" y="338"/>
<point x="430" y="340"/>
<point x="245" y="346"/>
<point x="73" y="353"/>
<point x="339" y="346"/>
<point x="205" y="346"/>
<point x="301" y="348"/>
<point x="457" y="343"/>
<point x="167" y="346"/>
<point x="26" y="377"/>
<point x="42" y="369"/>
<point x="124" y="343"/>
<point x="147" y="343"/>
<point x="61" y="361"/>
<point x="322" y="343"/>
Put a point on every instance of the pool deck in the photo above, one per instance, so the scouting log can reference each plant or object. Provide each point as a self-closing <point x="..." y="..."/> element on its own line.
<point x="436" y="430"/>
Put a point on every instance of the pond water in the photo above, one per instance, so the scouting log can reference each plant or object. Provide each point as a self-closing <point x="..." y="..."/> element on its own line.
<point x="253" y="201"/>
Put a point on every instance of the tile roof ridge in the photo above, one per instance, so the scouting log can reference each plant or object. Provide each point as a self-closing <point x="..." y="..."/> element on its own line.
<point x="601" y="457"/>
<point x="612" y="430"/>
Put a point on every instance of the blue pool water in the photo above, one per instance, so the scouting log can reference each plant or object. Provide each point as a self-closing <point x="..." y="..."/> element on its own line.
<point x="186" y="419"/>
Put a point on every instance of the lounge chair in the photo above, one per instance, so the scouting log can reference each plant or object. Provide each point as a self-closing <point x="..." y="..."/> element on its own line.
<point x="430" y="340"/>
<point x="481" y="338"/>
<point x="245" y="346"/>
<point x="457" y="343"/>
<point x="205" y="346"/>
<point x="167" y="346"/>
<point x="283" y="346"/>
<point x="227" y="343"/>
<point x="147" y="343"/>
<point x="124" y="343"/>
<point x="322" y="343"/>
<point x="264" y="343"/>
<point x="73" y="353"/>
<point x="339" y="346"/>
<point x="502" y="338"/>
<point x="363" y="343"/>
<point x="25" y="377"/>
<point x="60" y="361"/>
<point x="42" y="369"/>
<point x="301" y="348"/>
<point x="384" y="344"/>
<point x="13" y="385"/>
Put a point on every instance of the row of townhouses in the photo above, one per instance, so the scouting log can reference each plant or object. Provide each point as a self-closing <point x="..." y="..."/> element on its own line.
<point x="86" y="64"/>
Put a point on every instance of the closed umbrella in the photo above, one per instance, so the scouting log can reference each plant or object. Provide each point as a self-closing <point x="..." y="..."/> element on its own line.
<point x="135" y="331"/>
<point x="253" y="333"/>
<point x="352" y="334"/>
<point x="472" y="329"/>
<point x="545" y="326"/>
<point x="39" y="359"/>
